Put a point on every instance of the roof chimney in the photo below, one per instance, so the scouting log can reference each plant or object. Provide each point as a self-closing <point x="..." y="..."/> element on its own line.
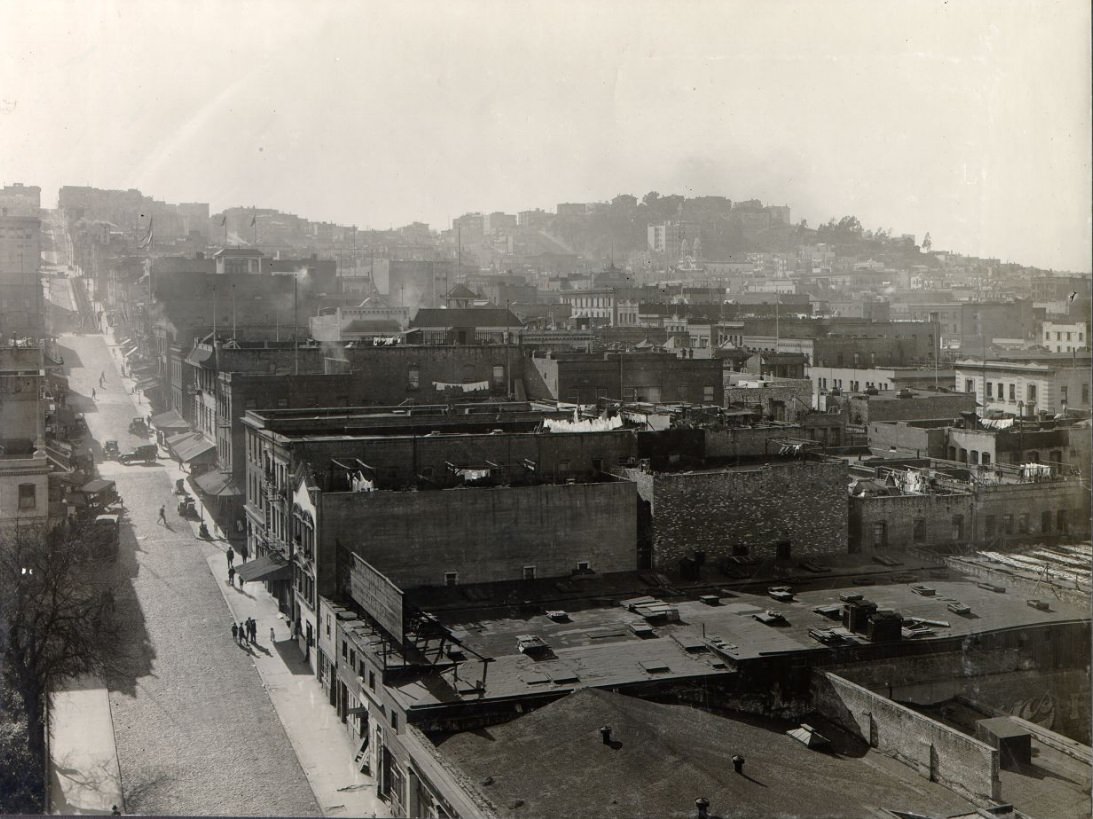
<point x="702" y="805"/>
<point x="605" y="734"/>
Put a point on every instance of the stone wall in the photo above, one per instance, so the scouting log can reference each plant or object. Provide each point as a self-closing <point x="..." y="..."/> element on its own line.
<point x="937" y="752"/>
<point x="803" y="502"/>
<point x="889" y="521"/>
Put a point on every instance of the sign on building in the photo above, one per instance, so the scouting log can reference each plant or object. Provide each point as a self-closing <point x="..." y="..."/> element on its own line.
<point x="379" y="597"/>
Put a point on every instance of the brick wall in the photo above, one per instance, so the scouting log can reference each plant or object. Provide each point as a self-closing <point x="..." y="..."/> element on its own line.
<point x="875" y="408"/>
<point x="486" y="535"/>
<point x="803" y="502"/>
<point x="937" y="752"/>
<point x="984" y="516"/>
<point x="923" y="441"/>
<point x="385" y="372"/>
<point x="898" y="513"/>
<point x="746" y="442"/>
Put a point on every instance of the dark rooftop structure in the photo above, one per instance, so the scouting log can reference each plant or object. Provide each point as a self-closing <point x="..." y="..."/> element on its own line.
<point x="660" y="758"/>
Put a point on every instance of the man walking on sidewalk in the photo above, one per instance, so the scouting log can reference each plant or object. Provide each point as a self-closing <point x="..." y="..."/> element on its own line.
<point x="162" y="515"/>
<point x="235" y="632"/>
<point x="231" y="576"/>
<point x="231" y="556"/>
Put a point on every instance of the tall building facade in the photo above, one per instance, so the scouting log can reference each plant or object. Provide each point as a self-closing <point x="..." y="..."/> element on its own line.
<point x="20" y="262"/>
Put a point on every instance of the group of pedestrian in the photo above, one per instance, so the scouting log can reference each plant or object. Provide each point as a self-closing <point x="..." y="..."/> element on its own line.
<point x="245" y="632"/>
<point x="232" y="574"/>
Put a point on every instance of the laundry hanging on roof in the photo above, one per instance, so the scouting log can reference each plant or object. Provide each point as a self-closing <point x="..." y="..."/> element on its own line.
<point x="468" y="474"/>
<point x="467" y="386"/>
<point x="360" y="483"/>
<point x="588" y="425"/>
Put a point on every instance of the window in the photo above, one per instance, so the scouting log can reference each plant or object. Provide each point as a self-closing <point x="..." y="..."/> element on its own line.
<point x="986" y="459"/>
<point x="1063" y="393"/>
<point x="345" y="650"/>
<point x="1013" y="392"/>
<point x="708" y="394"/>
<point x="1001" y="391"/>
<point x="1060" y="521"/>
<point x="990" y="525"/>
<point x="1045" y="522"/>
<point x="372" y="680"/>
<point x="413" y="377"/>
<point x="1030" y="393"/>
<point x="451" y="578"/>
<point x="394" y="719"/>
<point x="969" y="385"/>
<point x="28" y="498"/>
<point x="990" y="390"/>
<point x="583" y="566"/>
<point x="498" y="376"/>
<point x="1022" y="523"/>
<point x="529" y="573"/>
<point x="1007" y="524"/>
<point x="918" y="530"/>
<point x="958" y="527"/>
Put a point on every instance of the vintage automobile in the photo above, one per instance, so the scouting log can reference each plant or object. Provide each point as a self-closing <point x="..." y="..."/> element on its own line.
<point x="101" y="537"/>
<point x="145" y="452"/>
<point x="138" y="426"/>
<point x="95" y="497"/>
<point x="110" y="450"/>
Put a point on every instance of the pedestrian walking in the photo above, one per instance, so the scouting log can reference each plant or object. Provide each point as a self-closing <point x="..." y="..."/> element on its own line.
<point x="162" y="515"/>
<point x="231" y="575"/>
<point x="253" y="630"/>
<point x="92" y="393"/>
<point x="231" y="556"/>
<point x="235" y="632"/>
<point x="271" y="637"/>
<point x="240" y="581"/>
<point x="242" y="632"/>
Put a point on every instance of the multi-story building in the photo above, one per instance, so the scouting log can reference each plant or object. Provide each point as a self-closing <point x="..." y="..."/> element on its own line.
<point x="24" y="466"/>
<point x="1026" y="383"/>
<point x="21" y="309"/>
<point x="1064" y="337"/>
<point x="433" y="498"/>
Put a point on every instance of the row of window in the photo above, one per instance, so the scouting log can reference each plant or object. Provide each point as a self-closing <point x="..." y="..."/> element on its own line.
<point x="1010" y="524"/>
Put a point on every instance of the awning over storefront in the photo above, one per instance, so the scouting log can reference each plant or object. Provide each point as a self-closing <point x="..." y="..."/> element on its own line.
<point x="169" y="420"/>
<point x="189" y="446"/>
<point x="265" y="568"/>
<point x="219" y="484"/>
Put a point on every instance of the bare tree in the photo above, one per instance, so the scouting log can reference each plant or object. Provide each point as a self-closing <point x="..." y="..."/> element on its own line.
<point x="55" y="623"/>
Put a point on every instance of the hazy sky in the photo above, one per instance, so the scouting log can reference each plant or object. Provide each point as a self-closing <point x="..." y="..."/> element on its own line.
<point x="967" y="119"/>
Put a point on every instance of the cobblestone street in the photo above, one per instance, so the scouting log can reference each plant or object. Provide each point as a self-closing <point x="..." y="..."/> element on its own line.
<point x="196" y="731"/>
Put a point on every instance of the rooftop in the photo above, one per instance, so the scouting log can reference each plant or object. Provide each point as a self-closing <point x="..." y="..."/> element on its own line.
<point x="592" y="645"/>
<point x="661" y="758"/>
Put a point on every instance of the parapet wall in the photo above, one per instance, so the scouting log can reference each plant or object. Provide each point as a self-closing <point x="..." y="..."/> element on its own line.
<point x="937" y="752"/>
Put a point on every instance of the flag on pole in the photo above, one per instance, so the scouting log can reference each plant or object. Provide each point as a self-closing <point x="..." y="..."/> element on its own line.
<point x="146" y="240"/>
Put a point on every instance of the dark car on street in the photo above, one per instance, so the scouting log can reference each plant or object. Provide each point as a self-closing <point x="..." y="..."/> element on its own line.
<point x="145" y="452"/>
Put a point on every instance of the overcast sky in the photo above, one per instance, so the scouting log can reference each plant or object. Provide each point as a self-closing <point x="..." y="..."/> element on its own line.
<point x="967" y="119"/>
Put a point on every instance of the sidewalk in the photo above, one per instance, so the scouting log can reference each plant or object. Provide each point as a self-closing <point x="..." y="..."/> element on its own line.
<point x="317" y="735"/>
<point x="84" y="774"/>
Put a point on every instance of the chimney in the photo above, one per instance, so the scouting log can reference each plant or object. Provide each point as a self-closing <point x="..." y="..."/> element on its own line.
<point x="605" y="734"/>
<point x="702" y="806"/>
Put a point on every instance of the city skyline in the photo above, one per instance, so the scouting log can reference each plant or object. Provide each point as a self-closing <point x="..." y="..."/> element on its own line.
<point x="915" y="117"/>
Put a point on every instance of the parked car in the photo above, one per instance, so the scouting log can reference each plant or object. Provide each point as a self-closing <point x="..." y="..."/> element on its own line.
<point x="102" y="537"/>
<point x="145" y="452"/>
<point x="138" y="426"/>
<point x="110" y="449"/>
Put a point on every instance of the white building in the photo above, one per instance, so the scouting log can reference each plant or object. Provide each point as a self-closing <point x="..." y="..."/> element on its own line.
<point x="1060" y="337"/>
